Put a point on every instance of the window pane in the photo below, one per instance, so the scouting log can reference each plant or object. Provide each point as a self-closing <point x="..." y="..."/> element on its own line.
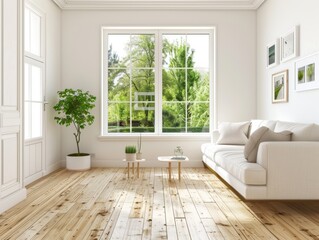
<point x="35" y="33"/>
<point x="174" y="85"/>
<point x="143" y="83"/>
<point x="143" y="51"/>
<point x="36" y="84"/>
<point x="198" y="55"/>
<point x="197" y="85"/>
<point x="27" y="30"/>
<point x="174" y="51"/>
<point x="118" y="85"/>
<point x="36" y="119"/>
<point x="118" y="51"/>
<point x="118" y="117"/>
<point x="27" y="120"/>
<point x="198" y="117"/>
<point x="143" y="119"/>
<point x="173" y="117"/>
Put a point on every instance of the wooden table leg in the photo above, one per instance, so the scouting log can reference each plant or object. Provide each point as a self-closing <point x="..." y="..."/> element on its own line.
<point x="138" y="170"/>
<point x="133" y="169"/>
<point x="179" y="170"/>
<point x="128" y="170"/>
<point x="169" y="171"/>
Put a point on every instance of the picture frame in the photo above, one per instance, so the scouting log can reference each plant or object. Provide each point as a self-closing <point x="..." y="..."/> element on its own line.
<point x="307" y="73"/>
<point x="289" y="45"/>
<point x="280" y="87"/>
<point x="272" y="54"/>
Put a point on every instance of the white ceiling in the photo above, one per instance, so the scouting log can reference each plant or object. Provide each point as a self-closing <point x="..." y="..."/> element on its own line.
<point x="159" y="4"/>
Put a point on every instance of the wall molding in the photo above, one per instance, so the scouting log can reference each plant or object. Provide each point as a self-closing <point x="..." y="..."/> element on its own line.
<point x="13" y="199"/>
<point x="159" y="4"/>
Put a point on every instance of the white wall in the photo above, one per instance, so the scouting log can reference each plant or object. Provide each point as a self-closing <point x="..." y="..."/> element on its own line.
<point x="274" y="19"/>
<point x="236" y="64"/>
<point x="53" y="79"/>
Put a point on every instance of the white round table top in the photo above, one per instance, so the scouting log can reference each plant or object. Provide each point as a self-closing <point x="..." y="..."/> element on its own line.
<point x="172" y="159"/>
<point x="135" y="161"/>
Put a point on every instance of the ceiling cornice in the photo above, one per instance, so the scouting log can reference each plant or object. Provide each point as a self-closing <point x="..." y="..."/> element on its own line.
<point x="159" y="4"/>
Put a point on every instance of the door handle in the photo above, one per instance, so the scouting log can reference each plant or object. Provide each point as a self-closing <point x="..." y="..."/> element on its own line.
<point x="44" y="103"/>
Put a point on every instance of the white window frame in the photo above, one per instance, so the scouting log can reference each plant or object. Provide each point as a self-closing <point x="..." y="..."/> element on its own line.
<point x="38" y="61"/>
<point x="157" y="31"/>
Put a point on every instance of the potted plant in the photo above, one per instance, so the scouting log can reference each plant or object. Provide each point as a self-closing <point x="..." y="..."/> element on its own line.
<point x="130" y="152"/>
<point x="74" y="108"/>
<point x="139" y="147"/>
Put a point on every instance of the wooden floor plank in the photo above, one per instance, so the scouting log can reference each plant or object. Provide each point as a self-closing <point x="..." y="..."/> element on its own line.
<point x="104" y="204"/>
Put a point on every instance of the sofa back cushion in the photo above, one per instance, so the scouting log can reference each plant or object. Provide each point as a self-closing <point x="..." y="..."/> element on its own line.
<point x="263" y="134"/>
<point x="257" y="123"/>
<point x="300" y="131"/>
<point x="233" y="133"/>
<point x="308" y="133"/>
<point x="290" y="126"/>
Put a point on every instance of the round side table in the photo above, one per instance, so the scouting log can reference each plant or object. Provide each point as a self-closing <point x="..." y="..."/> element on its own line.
<point x="133" y="163"/>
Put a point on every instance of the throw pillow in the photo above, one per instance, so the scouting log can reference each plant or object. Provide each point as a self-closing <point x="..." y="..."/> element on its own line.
<point x="233" y="133"/>
<point x="263" y="134"/>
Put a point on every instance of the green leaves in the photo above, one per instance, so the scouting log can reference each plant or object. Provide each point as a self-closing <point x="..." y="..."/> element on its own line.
<point x="74" y="108"/>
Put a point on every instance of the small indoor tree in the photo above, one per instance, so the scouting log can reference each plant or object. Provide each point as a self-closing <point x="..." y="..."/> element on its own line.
<point x="74" y="108"/>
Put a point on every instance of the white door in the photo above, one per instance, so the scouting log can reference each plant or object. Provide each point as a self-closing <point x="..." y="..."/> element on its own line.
<point x="34" y="120"/>
<point x="34" y="95"/>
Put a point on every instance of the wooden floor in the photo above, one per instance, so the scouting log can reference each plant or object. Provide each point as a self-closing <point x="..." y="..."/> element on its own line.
<point x="103" y="204"/>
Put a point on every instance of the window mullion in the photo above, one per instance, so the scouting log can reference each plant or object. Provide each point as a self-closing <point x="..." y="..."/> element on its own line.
<point x="158" y="66"/>
<point x="186" y="82"/>
<point x="131" y="110"/>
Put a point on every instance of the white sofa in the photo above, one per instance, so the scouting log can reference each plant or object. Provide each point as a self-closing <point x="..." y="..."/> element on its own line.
<point x="284" y="170"/>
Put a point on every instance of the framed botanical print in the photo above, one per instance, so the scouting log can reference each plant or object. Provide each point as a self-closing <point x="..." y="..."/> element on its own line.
<point x="307" y="73"/>
<point x="289" y="45"/>
<point x="272" y="54"/>
<point x="280" y="87"/>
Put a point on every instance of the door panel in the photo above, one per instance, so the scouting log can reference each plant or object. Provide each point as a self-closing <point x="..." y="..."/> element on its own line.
<point x="34" y="120"/>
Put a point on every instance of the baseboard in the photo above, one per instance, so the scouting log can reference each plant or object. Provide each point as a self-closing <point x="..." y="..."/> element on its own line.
<point x="53" y="167"/>
<point x="13" y="199"/>
<point x="147" y="163"/>
<point x="32" y="178"/>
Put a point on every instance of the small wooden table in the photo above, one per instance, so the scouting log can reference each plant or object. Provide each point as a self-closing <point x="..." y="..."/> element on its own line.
<point x="138" y="166"/>
<point x="171" y="159"/>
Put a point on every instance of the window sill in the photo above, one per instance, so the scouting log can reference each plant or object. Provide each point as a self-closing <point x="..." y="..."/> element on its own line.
<point x="157" y="138"/>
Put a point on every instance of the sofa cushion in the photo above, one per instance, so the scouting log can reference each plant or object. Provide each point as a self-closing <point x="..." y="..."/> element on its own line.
<point x="233" y="133"/>
<point x="290" y="126"/>
<point x="307" y="133"/>
<point x="209" y="149"/>
<point x="236" y="165"/>
<point x="263" y="134"/>
<point x="256" y="123"/>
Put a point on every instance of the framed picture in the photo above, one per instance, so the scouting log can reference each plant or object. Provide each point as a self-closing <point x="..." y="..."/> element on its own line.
<point x="307" y="73"/>
<point x="280" y="87"/>
<point x="289" y="45"/>
<point x="272" y="54"/>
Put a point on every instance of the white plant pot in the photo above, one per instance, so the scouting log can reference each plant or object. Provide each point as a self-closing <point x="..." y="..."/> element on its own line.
<point x="78" y="163"/>
<point x="130" y="156"/>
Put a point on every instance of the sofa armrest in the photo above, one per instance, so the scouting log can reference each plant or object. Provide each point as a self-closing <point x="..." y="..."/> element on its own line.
<point x="292" y="169"/>
<point x="215" y="136"/>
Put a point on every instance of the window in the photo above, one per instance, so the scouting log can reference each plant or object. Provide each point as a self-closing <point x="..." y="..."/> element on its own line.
<point x="157" y="81"/>
<point x="33" y="72"/>
<point x="33" y="33"/>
